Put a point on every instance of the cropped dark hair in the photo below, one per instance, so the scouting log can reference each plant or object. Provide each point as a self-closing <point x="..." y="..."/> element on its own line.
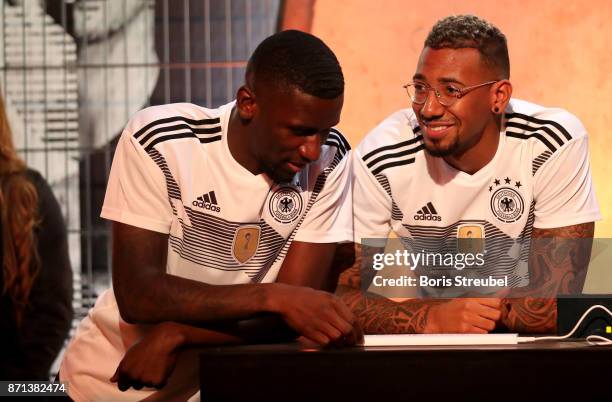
<point x="459" y="31"/>
<point x="294" y="59"/>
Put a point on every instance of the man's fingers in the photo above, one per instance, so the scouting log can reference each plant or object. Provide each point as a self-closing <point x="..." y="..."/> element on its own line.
<point x="482" y="313"/>
<point x="476" y="330"/>
<point x="120" y="379"/>
<point x="331" y="322"/>
<point x="343" y="327"/>
<point x="489" y="301"/>
<point x="355" y="337"/>
<point x="358" y="331"/>
<point x="318" y="337"/>
<point x="488" y="312"/>
<point x="344" y="312"/>
<point x="478" y="321"/>
<point x="334" y="325"/>
<point x="330" y="331"/>
<point x="348" y="327"/>
<point x="123" y="384"/>
<point x="160" y="385"/>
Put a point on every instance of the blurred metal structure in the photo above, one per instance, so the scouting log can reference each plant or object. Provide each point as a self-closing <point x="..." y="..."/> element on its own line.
<point x="72" y="72"/>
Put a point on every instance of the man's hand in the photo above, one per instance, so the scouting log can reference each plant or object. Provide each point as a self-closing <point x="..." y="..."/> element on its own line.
<point x="319" y="316"/>
<point x="149" y="362"/>
<point x="180" y="300"/>
<point x="474" y="316"/>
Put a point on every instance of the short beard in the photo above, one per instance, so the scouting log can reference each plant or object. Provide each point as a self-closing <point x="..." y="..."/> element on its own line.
<point x="437" y="152"/>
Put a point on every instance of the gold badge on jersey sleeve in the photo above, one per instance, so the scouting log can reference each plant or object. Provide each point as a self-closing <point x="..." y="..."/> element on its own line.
<point x="246" y="240"/>
<point x="470" y="239"/>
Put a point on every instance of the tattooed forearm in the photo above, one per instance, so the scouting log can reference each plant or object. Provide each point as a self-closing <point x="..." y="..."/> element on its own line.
<point x="558" y="265"/>
<point x="530" y="315"/>
<point x="582" y="231"/>
<point x="377" y="314"/>
<point x="361" y="258"/>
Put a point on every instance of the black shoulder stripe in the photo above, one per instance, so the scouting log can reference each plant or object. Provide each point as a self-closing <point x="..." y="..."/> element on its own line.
<point x="392" y="164"/>
<point x="186" y="134"/>
<point x="335" y="143"/>
<point x="547" y="130"/>
<point x="201" y="122"/>
<point x="392" y="147"/>
<point x="335" y="139"/>
<point x="338" y="134"/>
<point x="532" y="119"/>
<point x="539" y="136"/>
<point x="396" y="155"/>
<point x="166" y="129"/>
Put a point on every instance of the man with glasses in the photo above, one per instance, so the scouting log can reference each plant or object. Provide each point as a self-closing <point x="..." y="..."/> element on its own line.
<point x="468" y="162"/>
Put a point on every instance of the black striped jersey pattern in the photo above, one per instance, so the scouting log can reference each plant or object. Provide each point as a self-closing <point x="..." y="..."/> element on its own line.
<point x="517" y="125"/>
<point x="388" y="156"/>
<point x="208" y="240"/>
<point x="501" y="260"/>
<point x="550" y="133"/>
<point x="171" y="128"/>
<point x="396" y="213"/>
<point x="539" y="161"/>
<point x="335" y="139"/>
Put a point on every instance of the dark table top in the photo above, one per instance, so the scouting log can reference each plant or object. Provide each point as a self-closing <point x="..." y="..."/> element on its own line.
<point x="297" y="347"/>
<point x="546" y="371"/>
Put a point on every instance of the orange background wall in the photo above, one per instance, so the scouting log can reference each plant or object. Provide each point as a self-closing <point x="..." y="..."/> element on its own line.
<point x="558" y="57"/>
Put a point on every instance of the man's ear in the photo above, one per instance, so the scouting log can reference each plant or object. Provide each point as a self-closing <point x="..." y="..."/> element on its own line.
<point x="501" y="92"/>
<point x="245" y="103"/>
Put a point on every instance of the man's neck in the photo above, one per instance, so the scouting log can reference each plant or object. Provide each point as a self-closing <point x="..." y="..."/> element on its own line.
<point x="238" y="143"/>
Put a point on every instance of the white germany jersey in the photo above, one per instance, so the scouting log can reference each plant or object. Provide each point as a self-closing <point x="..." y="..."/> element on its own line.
<point x="173" y="173"/>
<point x="539" y="177"/>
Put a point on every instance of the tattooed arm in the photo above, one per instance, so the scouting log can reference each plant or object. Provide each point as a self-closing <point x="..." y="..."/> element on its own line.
<point x="558" y="265"/>
<point x="379" y="315"/>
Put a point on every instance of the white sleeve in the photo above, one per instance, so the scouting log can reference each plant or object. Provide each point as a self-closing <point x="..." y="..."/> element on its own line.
<point x="136" y="193"/>
<point x="329" y="220"/>
<point x="563" y="188"/>
<point x="371" y="203"/>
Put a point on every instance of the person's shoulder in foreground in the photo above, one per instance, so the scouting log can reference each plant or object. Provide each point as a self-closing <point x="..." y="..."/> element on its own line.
<point x="225" y="223"/>
<point x="467" y="160"/>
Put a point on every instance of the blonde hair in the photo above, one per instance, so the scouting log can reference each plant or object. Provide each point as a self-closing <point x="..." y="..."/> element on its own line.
<point x="18" y="219"/>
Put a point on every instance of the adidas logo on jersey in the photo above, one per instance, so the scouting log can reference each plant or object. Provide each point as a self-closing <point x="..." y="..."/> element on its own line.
<point x="207" y="201"/>
<point x="427" y="213"/>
